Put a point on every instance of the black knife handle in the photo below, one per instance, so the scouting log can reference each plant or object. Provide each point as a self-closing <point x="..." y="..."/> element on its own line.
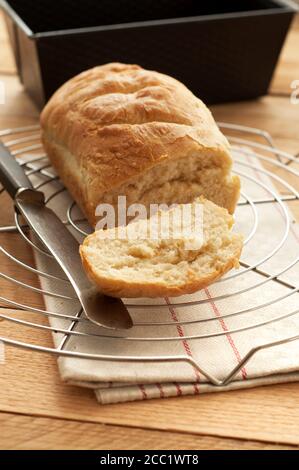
<point x="12" y="175"/>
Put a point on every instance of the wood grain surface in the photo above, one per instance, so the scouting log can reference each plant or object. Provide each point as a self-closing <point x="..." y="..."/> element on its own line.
<point x="38" y="411"/>
<point x="23" y="432"/>
<point x="288" y="65"/>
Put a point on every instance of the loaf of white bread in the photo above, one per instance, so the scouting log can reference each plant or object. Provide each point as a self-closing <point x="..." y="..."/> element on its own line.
<point x="118" y="129"/>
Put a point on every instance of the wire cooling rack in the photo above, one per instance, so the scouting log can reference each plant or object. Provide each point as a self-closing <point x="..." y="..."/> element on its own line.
<point x="278" y="166"/>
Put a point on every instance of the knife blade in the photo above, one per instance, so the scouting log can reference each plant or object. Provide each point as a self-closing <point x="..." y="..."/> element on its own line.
<point x="100" y="309"/>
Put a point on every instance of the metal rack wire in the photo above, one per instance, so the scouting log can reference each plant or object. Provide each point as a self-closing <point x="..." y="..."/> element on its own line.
<point x="255" y="144"/>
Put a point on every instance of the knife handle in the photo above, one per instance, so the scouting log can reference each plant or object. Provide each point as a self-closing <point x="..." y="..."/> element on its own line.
<point x="12" y="175"/>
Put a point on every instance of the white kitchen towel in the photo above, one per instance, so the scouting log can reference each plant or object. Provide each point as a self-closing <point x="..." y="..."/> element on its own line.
<point x="210" y="333"/>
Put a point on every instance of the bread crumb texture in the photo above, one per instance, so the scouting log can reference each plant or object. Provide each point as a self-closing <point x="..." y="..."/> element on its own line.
<point x="163" y="266"/>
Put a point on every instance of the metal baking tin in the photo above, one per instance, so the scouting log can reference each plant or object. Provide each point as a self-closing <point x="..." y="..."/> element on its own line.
<point x="226" y="53"/>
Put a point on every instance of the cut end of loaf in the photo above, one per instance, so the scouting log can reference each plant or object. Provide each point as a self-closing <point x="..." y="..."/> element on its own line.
<point x="162" y="267"/>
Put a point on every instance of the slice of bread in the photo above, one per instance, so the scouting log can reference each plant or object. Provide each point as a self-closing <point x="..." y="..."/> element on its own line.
<point x="147" y="267"/>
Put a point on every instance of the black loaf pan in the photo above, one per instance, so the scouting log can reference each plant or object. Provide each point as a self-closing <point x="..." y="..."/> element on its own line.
<point x="222" y="50"/>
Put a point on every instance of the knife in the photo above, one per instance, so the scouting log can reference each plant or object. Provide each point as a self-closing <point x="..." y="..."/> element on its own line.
<point x="105" y="311"/>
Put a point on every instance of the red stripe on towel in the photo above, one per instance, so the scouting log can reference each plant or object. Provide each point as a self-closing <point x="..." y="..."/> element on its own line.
<point x="179" y="392"/>
<point x="160" y="388"/>
<point x="184" y="341"/>
<point x="224" y="327"/>
<point x="143" y="391"/>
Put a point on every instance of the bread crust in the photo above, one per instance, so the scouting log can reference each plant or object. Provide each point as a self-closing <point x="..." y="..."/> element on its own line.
<point x="115" y="122"/>
<point x="225" y="254"/>
<point x="132" y="289"/>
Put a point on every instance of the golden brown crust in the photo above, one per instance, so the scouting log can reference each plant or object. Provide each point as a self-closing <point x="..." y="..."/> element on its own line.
<point x="115" y="122"/>
<point x="71" y="179"/>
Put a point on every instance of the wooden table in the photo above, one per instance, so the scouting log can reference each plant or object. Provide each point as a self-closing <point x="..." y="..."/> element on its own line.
<point x="38" y="411"/>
